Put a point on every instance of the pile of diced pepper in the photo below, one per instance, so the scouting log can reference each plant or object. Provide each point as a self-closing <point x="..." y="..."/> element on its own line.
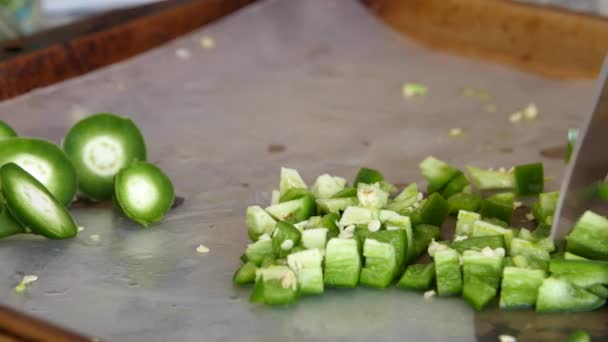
<point x="370" y="234"/>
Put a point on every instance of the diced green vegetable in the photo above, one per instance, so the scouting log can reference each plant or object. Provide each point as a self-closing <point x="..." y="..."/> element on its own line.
<point x="100" y="146"/>
<point x="285" y="237"/>
<point x="342" y="263"/>
<point x="371" y="196"/>
<point x="482" y="228"/>
<point x="276" y="195"/>
<point x="329" y="222"/>
<point x="464" y="201"/>
<point x="408" y="192"/>
<point x="579" y="336"/>
<point x="358" y="215"/>
<point x="290" y="179"/>
<point x="258" y="251"/>
<point x="327" y="186"/>
<point x="558" y="295"/>
<point x="529" y="179"/>
<point x="589" y="238"/>
<point x="572" y="136"/>
<point x="498" y="206"/>
<point x="486" y="265"/>
<point x="423" y="235"/>
<point x="294" y="211"/>
<point x="259" y="222"/>
<point x="279" y="285"/>
<point x="314" y="238"/>
<point x="380" y="266"/>
<point x="490" y="179"/>
<point x="434" y="210"/>
<point x="293" y="194"/>
<point x="519" y="287"/>
<point x="536" y="256"/>
<point x="455" y="185"/>
<point x="447" y="272"/>
<point x="245" y="274"/>
<point x="335" y="205"/>
<point x="477" y="292"/>
<point x="582" y="273"/>
<point x="478" y="243"/>
<point x="307" y="265"/>
<point x="6" y="131"/>
<point x="8" y="225"/>
<point x="257" y="295"/>
<point x="418" y="277"/>
<point x="346" y="192"/>
<point x="398" y="239"/>
<point x="387" y="187"/>
<point x="437" y="173"/>
<point x="546" y="205"/>
<point x="368" y="176"/>
<point x="33" y="205"/>
<point x="45" y="162"/>
<point x="570" y="256"/>
<point x="465" y="221"/>
<point x="598" y="290"/>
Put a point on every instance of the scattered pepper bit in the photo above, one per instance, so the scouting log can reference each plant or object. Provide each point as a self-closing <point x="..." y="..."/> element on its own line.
<point x="183" y="53"/>
<point x="429" y="294"/>
<point x="456" y="132"/>
<point x="202" y="249"/>
<point x="476" y="93"/>
<point x="414" y="89"/>
<point x="530" y="217"/>
<point x="94" y="237"/>
<point x="80" y="228"/>
<point x="207" y="42"/>
<point x="506" y="338"/>
<point x="530" y="112"/>
<point x="21" y="287"/>
<point x="516" y="117"/>
<point x="517" y="204"/>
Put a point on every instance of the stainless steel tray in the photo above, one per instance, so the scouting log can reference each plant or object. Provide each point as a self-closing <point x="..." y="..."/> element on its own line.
<point x="321" y="79"/>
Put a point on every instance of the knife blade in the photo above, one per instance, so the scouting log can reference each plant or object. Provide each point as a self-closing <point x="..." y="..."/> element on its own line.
<point x="588" y="163"/>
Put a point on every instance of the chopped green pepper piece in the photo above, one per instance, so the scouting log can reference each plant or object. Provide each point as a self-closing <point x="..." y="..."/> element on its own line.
<point x="529" y="179"/>
<point x="519" y="287"/>
<point x="335" y="205"/>
<point x="598" y="290"/>
<point x="570" y="256"/>
<point x="437" y="173"/>
<point x="579" y="336"/>
<point x="558" y="295"/>
<point x="290" y="179"/>
<point x="398" y="239"/>
<point x="314" y="238"/>
<point x="285" y="237"/>
<point x="257" y="295"/>
<point x="380" y="266"/>
<point x="434" y="210"/>
<point x="464" y="201"/>
<point x="572" y="136"/>
<point x="371" y="196"/>
<point x="410" y="191"/>
<point x="455" y="185"/>
<point x="536" y="256"/>
<point x="293" y="194"/>
<point x="342" y="263"/>
<point x="307" y="265"/>
<point x="8" y="225"/>
<point x="546" y="205"/>
<point x="358" y="215"/>
<point x="498" y="206"/>
<point x="294" y="211"/>
<point x="327" y="186"/>
<point x="477" y="292"/>
<point x="329" y="222"/>
<point x="478" y="243"/>
<point x="279" y="285"/>
<point x="490" y="179"/>
<point x="346" y="192"/>
<point x="589" y="238"/>
<point x="582" y="273"/>
<point x="256" y="252"/>
<point x="245" y="274"/>
<point x="465" y="221"/>
<point x="6" y="131"/>
<point x="368" y="176"/>
<point x="259" y="222"/>
<point x="482" y="228"/>
<point x="423" y="235"/>
<point x="447" y="272"/>
<point x="418" y="277"/>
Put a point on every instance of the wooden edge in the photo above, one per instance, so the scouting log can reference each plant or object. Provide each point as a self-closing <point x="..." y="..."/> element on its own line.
<point x="16" y="326"/>
<point x="549" y="41"/>
<point x="76" y="49"/>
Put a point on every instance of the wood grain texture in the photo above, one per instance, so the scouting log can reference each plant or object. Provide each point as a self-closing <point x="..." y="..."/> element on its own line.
<point x="57" y="55"/>
<point x="549" y="41"/>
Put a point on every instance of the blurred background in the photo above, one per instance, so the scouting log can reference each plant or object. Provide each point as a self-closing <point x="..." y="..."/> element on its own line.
<point x="23" y="17"/>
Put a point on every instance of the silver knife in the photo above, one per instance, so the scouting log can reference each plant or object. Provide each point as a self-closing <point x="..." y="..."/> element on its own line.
<point x="588" y="163"/>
